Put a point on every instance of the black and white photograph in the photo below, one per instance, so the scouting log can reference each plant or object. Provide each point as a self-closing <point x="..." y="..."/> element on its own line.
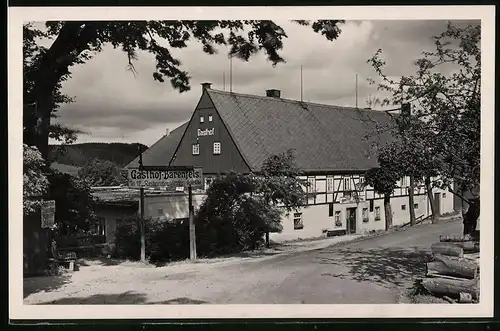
<point x="241" y="162"/>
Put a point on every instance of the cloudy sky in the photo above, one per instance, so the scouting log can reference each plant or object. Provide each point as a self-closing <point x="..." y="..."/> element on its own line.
<point x="113" y="105"/>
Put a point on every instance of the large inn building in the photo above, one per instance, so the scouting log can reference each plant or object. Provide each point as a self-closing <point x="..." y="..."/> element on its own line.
<point x="333" y="146"/>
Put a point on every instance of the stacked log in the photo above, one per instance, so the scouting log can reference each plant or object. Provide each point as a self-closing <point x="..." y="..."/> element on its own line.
<point x="453" y="272"/>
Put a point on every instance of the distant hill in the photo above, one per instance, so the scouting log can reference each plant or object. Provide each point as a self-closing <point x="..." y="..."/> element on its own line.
<point x="65" y="169"/>
<point x="79" y="154"/>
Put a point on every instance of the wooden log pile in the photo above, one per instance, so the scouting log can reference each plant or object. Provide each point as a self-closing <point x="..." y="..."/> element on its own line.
<point x="453" y="272"/>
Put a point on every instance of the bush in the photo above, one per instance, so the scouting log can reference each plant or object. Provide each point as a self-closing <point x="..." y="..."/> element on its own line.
<point x="231" y="219"/>
<point x="237" y="213"/>
<point x="127" y="239"/>
<point x="165" y="240"/>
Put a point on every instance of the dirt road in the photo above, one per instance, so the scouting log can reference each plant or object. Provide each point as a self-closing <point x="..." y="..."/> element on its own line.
<point x="373" y="270"/>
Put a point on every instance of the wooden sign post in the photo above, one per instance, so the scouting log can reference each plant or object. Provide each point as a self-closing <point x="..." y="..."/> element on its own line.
<point x="192" y="229"/>
<point x="172" y="177"/>
<point x="142" y="227"/>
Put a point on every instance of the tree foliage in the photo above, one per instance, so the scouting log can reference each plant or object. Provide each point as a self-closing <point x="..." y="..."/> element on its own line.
<point x="241" y="208"/>
<point x="442" y="135"/>
<point x="32" y="55"/>
<point x="279" y="183"/>
<point x="440" y="138"/>
<point x="75" y="42"/>
<point x="74" y="204"/>
<point x="35" y="182"/>
<point x="382" y="179"/>
<point x="99" y="172"/>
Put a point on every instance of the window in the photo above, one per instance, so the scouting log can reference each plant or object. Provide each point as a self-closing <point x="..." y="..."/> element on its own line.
<point x="415" y="206"/>
<point x="347" y="184"/>
<point x="210" y="118"/>
<point x="196" y="149"/>
<point x="330" y="210"/>
<point x="338" y="221"/>
<point x="160" y="211"/>
<point x="297" y="221"/>
<point x="403" y="182"/>
<point x="329" y="184"/>
<point x="202" y="119"/>
<point x="311" y="185"/>
<point x="217" y="148"/>
<point x="403" y="207"/>
<point x="347" y="187"/>
<point x="371" y="205"/>
<point x="364" y="215"/>
<point x="377" y="213"/>
<point x="100" y="229"/>
<point x="444" y="195"/>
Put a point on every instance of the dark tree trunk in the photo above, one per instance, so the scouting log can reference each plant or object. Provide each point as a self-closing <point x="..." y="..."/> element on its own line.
<point x="73" y="38"/>
<point x="411" y="200"/>
<point x="267" y="239"/>
<point x="471" y="216"/>
<point x="388" y="211"/>
<point x="428" y="189"/>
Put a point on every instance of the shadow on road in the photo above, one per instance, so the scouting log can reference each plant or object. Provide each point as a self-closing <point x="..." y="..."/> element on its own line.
<point x="43" y="283"/>
<point x="125" y="298"/>
<point x="99" y="261"/>
<point x="386" y="267"/>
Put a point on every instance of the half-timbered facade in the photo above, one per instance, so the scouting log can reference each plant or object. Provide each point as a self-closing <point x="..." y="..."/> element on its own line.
<point x="333" y="147"/>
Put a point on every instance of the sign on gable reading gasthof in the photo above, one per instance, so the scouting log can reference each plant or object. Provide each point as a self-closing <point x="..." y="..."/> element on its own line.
<point x="165" y="177"/>
<point x="48" y="213"/>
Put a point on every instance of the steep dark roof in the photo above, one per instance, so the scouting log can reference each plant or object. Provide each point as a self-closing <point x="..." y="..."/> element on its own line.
<point x="324" y="137"/>
<point x="116" y="196"/>
<point x="162" y="151"/>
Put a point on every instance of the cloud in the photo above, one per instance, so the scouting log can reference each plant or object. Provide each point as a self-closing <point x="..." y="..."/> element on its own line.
<point x="114" y="105"/>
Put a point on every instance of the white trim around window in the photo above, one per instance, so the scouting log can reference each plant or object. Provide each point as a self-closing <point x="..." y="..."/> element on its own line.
<point x="217" y="148"/>
<point x="329" y="184"/>
<point x="196" y="149"/>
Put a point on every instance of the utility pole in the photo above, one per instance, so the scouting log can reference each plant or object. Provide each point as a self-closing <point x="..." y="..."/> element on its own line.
<point x="192" y="229"/>
<point x="301" y="88"/>
<point x="356" y="90"/>
<point x="230" y="73"/>
<point x="141" y="220"/>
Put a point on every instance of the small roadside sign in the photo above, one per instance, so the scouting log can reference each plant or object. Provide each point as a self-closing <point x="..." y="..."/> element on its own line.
<point x="48" y="214"/>
<point x="165" y="177"/>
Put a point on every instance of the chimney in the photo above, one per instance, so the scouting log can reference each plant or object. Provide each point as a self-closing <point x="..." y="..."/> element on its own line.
<point x="273" y="93"/>
<point x="205" y="86"/>
<point x="167" y="131"/>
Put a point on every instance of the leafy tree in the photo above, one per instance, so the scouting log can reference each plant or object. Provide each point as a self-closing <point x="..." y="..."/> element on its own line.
<point x="240" y="209"/>
<point x="35" y="182"/>
<point x="99" y="172"/>
<point x="75" y="42"/>
<point x="74" y="204"/>
<point x="280" y="184"/>
<point x="443" y="129"/>
<point x="32" y="55"/>
<point x="383" y="180"/>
